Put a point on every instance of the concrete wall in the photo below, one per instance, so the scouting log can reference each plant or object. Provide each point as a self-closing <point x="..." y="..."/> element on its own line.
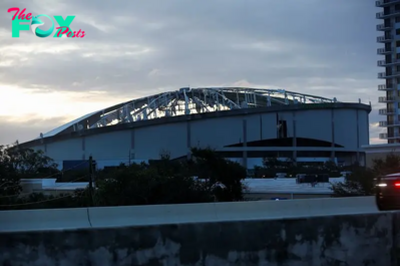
<point x="355" y="240"/>
<point x="267" y="196"/>
<point x="304" y="232"/>
<point x="347" y="127"/>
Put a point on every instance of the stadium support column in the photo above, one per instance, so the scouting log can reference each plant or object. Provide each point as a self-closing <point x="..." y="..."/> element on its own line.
<point x="188" y="139"/>
<point x="245" y="143"/>
<point x="83" y="147"/>
<point x="43" y="143"/>
<point x="358" y="137"/>
<point x="364" y="153"/>
<point x="333" y="135"/>
<point x="132" y="148"/>
<point x="294" y="139"/>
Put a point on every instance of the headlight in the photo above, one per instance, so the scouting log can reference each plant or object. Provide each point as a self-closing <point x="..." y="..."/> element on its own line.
<point x="382" y="185"/>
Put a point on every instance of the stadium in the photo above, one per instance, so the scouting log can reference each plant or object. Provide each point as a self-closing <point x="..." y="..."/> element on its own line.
<point x="243" y="124"/>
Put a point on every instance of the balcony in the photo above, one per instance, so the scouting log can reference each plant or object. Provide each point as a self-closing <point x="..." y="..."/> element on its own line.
<point x="383" y="3"/>
<point x="383" y="51"/>
<point x="383" y="87"/>
<point x="383" y="75"/>
<point x="384" y="39"/>
<point x="380" y="15"/>
<point x="383" y="63"/>
<point x="386" y="136"/>
<point x="389" y="99"/>
<point x="386" y="111"/>
<point x="383" y="135"/>
<point x="383" y="27"/>
<point x="389" y="124"/>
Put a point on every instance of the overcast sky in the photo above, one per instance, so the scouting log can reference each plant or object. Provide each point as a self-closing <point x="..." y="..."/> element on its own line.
<point x="135" y="48"/>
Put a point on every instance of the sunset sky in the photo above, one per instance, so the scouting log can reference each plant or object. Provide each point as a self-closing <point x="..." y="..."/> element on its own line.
<point x="136" y="48"/>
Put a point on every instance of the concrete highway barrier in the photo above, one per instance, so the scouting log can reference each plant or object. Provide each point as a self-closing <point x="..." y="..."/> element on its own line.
<point x="44" y="219"/>
<point x="102" y="217"/>
<point x="270" y="210"/>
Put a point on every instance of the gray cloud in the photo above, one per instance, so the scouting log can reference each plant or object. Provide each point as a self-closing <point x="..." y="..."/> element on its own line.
<point x="26" y="129"/>
<point x="136" y="48"/>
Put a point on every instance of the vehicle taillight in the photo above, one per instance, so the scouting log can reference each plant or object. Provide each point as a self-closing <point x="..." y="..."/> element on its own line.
<point x="397" y="184"/>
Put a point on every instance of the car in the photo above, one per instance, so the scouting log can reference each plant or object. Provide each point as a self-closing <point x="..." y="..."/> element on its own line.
<point x="387" y="194"/>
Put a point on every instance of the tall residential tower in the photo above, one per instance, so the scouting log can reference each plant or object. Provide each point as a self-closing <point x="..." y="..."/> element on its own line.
<point x="390" y="39"/>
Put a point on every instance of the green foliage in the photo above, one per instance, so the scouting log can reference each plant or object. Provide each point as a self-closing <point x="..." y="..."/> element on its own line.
<point x="391" y="164"/>
<point x="161" y="181"/>
<point x="9" y="179"/>
<point x="17" y="163"/>
<point x="222" y="176"/>
<point x="272" y="166"/>
<point x="361" y="180"/>
<point x="30" y="163"/>
<point x="144" y="184"/>
<point x="272" y="163"/>
<point x="331" y="167"/>
<point x="359" y="183"/>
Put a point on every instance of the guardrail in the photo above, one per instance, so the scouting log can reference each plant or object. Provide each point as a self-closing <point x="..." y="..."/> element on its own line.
<point x="100" y="217"/>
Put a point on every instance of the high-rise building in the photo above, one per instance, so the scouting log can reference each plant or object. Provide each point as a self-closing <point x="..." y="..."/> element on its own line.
<point x="390" y="39"/>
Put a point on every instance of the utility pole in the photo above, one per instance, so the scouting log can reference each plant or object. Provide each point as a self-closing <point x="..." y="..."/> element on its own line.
<point x="91" y="180"/>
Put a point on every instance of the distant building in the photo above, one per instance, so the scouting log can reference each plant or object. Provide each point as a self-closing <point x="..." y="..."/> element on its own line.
<point x="390" y="39"/>
<point x="243" y="124"/>
<point x="380" y="151"/>
<point x="391" y="75"/>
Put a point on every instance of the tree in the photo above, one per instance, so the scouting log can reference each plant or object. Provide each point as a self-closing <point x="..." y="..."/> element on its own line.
<point x="162" y="182"/>
<point x="389" y="165"/>
<point x="9" y="179"/>
<point x="361" y="181"/>
<point x="224" y="177"/>
<point x="31" y="163"/>
<point x="330" y="166"/>
<point x="273" y="163"/>
<point x="166" y="181"/>
<point x="17" y="163"/>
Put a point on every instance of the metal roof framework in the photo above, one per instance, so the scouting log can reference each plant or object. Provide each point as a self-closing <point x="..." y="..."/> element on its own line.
<point x="186" y="101"/>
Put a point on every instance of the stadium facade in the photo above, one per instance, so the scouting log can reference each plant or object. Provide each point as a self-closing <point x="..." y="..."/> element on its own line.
<point x="244" y="124"/>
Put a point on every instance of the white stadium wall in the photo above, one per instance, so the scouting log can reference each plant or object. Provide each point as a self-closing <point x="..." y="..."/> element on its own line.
<point x="150" y="142"/>
<point x="70" y="149"/>
<point x="217" y="132"/>
<point x="345" y="126"/>
<point x="116" y="143"/>
<point x="314" y="124"/>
